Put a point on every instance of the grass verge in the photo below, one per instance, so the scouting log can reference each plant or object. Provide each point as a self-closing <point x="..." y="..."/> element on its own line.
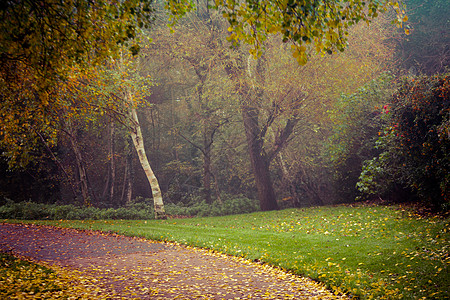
<point x="365" y="251"/>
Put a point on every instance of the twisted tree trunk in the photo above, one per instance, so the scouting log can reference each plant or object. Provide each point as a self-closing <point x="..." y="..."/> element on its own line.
<point x="258" y="158"/>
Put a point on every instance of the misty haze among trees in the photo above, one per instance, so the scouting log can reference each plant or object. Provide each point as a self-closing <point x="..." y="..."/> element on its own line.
<point x="224" y="131"/>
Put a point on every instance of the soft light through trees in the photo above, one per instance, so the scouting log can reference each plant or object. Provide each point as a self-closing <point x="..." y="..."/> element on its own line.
<point x="425" y="50"/>
<point x="321" y="81"/>
<point x="117" y="89"/>
<point x="191" y="57"/>
<point x="36" y="61"/>
<point x="274" y="93"/>
<point x="41" y="41"/>
<point x="132" y="88"/>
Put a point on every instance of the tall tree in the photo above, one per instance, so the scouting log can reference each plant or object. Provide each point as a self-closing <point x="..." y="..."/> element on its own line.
<point x="129" y="86"/>
<point x="83" y="179"/>
<point x="324" y="79"/>
<point x="127" y="188"/>
<point x="118" y="89"/>
<point x="248" y="74"/>
<point x="279" y="97"/>
<point x="193" y="51"/>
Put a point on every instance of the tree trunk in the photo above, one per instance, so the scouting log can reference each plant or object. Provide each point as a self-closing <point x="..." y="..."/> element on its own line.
<point x="255" y="136"/>
<point x="259" y="160"/>
<point x="108" y="191"/>
<point x="112" y="163"/>
<point x="105" y="188"/>
<point x="288" y="182"/>
<point x="216" y="186"/>
<point x="251" y="94"/>
<point x="130" y="177"/>
<point x="82" y="173"/>
<point x="136" y="136"/>
<point x="207" y="168"/>
<point x="207" y="136"/>
<point x="127" y="188"/>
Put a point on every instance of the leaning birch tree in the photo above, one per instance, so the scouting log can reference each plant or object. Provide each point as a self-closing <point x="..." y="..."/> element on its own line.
<point x="133" y="87"/>
<point x="117" y="89"/>
<point x="138" y="142"/>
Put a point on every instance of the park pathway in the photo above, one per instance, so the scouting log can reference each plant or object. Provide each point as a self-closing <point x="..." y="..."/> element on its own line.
<point x="125" y="268"/>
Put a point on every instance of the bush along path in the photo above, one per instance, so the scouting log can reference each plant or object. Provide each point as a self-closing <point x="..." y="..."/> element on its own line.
<point x="110" y="266"/>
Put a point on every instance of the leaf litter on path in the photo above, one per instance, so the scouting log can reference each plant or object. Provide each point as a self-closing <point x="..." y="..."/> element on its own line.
<point x="115" y="267"/>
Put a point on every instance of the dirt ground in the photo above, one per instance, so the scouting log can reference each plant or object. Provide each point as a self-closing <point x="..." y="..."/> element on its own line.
<point x="125" y="268"/>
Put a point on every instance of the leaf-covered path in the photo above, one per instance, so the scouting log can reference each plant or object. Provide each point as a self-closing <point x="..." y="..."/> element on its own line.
<point x="121" y="267"/>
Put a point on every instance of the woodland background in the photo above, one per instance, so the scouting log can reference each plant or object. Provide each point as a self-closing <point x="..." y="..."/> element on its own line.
<point x="369" y="123"/>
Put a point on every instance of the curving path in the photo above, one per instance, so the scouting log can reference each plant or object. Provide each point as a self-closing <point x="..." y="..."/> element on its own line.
<point x="126" y="268"/>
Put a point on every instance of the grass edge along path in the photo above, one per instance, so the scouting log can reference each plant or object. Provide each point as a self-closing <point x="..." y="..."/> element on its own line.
<point x="134" y="272"/>
<point x="364" y="251"/>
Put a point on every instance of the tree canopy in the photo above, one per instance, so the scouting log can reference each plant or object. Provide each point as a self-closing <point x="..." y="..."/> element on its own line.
<point x="40" y="41"/>
<point x="323" y="24"/>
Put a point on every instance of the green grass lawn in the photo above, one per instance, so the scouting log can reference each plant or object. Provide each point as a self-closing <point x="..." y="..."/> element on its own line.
<point x="365" y="251"/>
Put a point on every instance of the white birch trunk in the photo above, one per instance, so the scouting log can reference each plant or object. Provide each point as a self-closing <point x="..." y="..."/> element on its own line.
<point x="136" y="136"/>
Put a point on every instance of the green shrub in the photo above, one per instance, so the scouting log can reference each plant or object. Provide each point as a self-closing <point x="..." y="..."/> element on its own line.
<point x="125" y="213"/>
<point x="140" y="203"/>
<point x="58" y="212"/>
<point x="230" y="205"/>
<point x="356" y="120"/>
<point x="7" y="211"/>
<point x="415" y="145"/>
<point x="138" y="209"/>
<point x="24" y="210"/>
<point x="234" y="205"/>
<point x="36" y="211"/>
